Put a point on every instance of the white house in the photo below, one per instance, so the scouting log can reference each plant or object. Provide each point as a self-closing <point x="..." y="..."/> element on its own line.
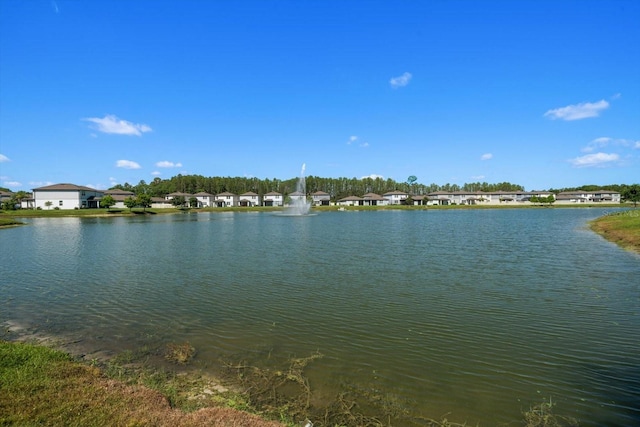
<point x="395" y="197"/>
<point x="272" y="199"/>
<point x="66" y="196"/>
<point x="320" y="198"/>
<point x="225" y="199"/>
<point x="249" y="199"/>
<point x="204" y="199"/>
<point x="373" y="199"/>
<point x="351" y="201"/>
<point x="297" y="195"/>
<point x="599" y="196"/>
<point x="119" y="196"/>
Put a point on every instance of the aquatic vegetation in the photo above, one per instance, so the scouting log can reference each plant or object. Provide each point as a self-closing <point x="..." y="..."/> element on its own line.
<point x="179" y="353"/>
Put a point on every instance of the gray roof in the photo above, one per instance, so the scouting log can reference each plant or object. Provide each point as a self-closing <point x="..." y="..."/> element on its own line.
<point x="65" y="187"/>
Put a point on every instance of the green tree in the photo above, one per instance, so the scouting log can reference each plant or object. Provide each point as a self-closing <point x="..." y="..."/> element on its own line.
<point x="178" y="201"/>
<point x="193" y="202"/>
<point x="144" y="200"/>
<point x="48" y="204"/>
<point x="130" y="202"/>
<point x="107" y="201"/>
<point x="631" y="193"/>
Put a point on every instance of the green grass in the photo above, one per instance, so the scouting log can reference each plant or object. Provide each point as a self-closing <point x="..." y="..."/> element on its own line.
<point x="622" y="228"/>
<point x="40" y="386"/>
<point x="9" y="221"/>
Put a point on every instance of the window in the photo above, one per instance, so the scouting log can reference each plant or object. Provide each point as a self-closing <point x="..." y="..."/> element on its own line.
<point x="60" y="203"/>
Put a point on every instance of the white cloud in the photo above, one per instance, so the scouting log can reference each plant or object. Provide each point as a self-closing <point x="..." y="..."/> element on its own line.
<point x="40" y="183"/>
<point x="373" y="176"/>
<point x="127" y="164"/>
<point x="606" y="141"/>
<point x="486" y="156"/>
<point x="156" y="173"/>
<point x="364" y="145"/>
<point x="578" y="111"/>
<point x="595" y="160"/>
<point x="4" y="158"/>
<point x="12" y="184"/>
<point x="400" y="81"/>
<point x="168" y="164"/>
<point x="352" y="139"/>
<point x="477" y="177"/>
<point x="112" y="124"/>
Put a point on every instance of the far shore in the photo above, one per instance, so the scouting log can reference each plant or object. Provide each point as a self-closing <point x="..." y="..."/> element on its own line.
<point x="6" y="217"/>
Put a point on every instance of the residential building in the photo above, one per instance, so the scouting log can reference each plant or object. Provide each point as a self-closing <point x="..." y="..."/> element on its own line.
<point x="320" y="198"/>
<point x="66" y="196"/>
<point x="272" y="199"/>
<point x="249" y="199"/>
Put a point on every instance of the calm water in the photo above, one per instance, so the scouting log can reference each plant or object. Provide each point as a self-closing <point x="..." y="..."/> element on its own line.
<point x="480" y="313"/>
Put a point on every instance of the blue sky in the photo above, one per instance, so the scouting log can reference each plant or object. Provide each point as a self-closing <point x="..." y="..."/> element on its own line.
<point x="545" y="94"/>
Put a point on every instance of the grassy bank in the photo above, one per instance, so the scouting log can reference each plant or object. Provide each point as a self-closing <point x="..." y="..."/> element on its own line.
<point x="8" y="222"/>
<point x="45" y="387"/>
<point x="622" y="228"/>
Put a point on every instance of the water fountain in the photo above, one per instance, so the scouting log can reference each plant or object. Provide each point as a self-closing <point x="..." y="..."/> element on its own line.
<point x="299" y="205"/>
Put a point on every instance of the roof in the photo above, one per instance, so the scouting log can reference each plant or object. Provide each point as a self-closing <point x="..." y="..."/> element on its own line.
<point x="350" y="199"/>
<point x="320" y="193"/>
<point x="119" y="192"/>
<point x="396" y="192"/>
<point x="372" y="196"/>
<point x="249" y="194"/>
<point x="203" y="193"/>
<point x="65" y="187"/>
<point x="273" y="193"/>
<point x="226" y="193"/>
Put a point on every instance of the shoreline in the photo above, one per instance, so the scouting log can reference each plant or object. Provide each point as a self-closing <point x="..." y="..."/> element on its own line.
<point x="621" y="228"/>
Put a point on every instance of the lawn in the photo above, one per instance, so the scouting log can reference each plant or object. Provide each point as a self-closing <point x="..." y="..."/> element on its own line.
<point x="622" y="228"/>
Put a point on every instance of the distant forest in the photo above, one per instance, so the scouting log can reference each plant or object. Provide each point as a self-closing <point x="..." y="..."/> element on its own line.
<point x="336" y="187"/>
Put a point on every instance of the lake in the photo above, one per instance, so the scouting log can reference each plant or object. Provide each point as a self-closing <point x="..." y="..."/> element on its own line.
<point x="477" y="314"/>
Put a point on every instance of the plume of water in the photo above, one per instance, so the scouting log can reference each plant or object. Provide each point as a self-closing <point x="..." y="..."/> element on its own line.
<point x="299" y="204"/>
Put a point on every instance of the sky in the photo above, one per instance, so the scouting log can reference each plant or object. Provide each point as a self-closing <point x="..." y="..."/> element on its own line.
<point x="544" y="93"/>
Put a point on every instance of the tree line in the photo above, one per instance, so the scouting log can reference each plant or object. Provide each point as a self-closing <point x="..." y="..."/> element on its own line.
<point x="337" y="188"/>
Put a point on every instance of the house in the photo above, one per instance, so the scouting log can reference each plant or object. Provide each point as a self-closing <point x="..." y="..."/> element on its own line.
<point x="66" y="196"/>
<point x="249" y="199"/>
<point x="119" y="196"/>
<point x="204" y="199"/>
<point x="351" y="201"/>
<point x="396" y="197"/>
<point x="272" y="199"/>
<point x="225" y="199"/>
<point x="599" y="196"/>
<point x="297" y="195"/>
<point x="320" y="198"/>
<point x="373" y="199"/>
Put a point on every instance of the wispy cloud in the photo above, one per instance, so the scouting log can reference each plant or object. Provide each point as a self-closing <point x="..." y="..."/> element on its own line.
<point x="400" y="81"/>
<point x="477" y="177"/>
<point x="12" y="184"/>
<point x="127" y="164"/>
<point x="486" y="156"/>
<point x="373" y="176"/>
<point x="168" y="164"/>
<point x="605" y="141"/>
<point x="352" y="139"/>
<point x="40" y="183"/>
<point x="4" y="158"/>
<point x="578" y="111"/>
<point x="156" y="173"/>
<point x="112" y="124"/>
<point x="56" y="9"/>
<point x="595" y="160"/>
